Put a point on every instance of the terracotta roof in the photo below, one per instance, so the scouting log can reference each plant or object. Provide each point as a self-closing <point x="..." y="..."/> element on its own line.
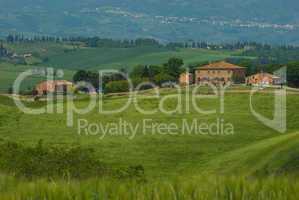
<point x="221" y="65"/>
<point x="50" y="85"/>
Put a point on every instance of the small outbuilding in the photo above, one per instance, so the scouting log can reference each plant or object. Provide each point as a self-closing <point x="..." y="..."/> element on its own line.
<point x="53" y="86"/>
<point x="263" y="79"/>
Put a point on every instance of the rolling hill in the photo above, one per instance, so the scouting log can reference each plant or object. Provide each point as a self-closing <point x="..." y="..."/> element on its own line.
<point x="279" y="157"/>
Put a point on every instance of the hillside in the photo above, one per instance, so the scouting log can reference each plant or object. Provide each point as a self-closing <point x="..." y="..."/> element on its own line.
<point x="274" y="21"/>
<point x="274" y="156"/>
<point x="111" y="58"/>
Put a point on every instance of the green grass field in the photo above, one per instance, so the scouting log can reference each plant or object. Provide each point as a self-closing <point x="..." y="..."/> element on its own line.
<point x="99" y="58"/>
<point x="191" y="188"/>
<point x="255" y="162"/>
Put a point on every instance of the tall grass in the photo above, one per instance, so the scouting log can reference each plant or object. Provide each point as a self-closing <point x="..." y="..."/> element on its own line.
<point x="199" y="188"/>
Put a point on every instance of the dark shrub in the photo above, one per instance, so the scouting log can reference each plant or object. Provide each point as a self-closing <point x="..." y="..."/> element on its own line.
<point x="58" y="162"/>
<point x="41" y="161"/>
<point x="117" y="86"/>
<point x="136" y="172"/>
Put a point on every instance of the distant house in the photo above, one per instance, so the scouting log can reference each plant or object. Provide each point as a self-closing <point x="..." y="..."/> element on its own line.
<point x="56" y="86"/>
<point x="263" y="79"/>
<point x="186" y="79"/>
<point x="220" y="73"/>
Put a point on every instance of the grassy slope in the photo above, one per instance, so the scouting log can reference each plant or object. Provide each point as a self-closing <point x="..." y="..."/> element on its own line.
<point x="41" y="48"/>
<point x="249" y="150"/>
<point x="189" y="56"/>
<point x="277" y="155"/>
<point x="98" y="58"/>
<point x="72" y="57"/>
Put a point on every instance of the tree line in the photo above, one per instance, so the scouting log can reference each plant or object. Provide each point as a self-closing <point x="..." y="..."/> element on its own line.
<point x="158" y="74"/>
<point x="88" y="41"/>
<point x="130" y="43"/>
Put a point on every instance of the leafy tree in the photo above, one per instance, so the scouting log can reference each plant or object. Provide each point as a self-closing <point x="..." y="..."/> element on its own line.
<point x="117" y="76"/>
<point x="293" y="74"/>
<point x="145" y="71"/>
<point x="87" y="76"/>
<point x="174" y="67"/>
<point x="141" y="71"/>
<point x="10" y="38"/>
<point x="154" y="70"/>
<point x="80" y="75"/>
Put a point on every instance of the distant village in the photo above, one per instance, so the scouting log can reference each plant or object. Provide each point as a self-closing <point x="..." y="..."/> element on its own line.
<point x="217" y="73"/>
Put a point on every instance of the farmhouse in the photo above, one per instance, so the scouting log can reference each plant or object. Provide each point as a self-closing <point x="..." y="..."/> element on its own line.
<point x="55" y="86"/>
<point x="263" y="79"/>
<point x="220" y="73"/>
<point x="186" y="79"/>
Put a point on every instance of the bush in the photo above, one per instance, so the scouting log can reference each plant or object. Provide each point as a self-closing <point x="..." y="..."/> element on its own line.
<point x="131" y="172"/>
<point x="117" y="86"/>
<point x="41" y="161"/>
